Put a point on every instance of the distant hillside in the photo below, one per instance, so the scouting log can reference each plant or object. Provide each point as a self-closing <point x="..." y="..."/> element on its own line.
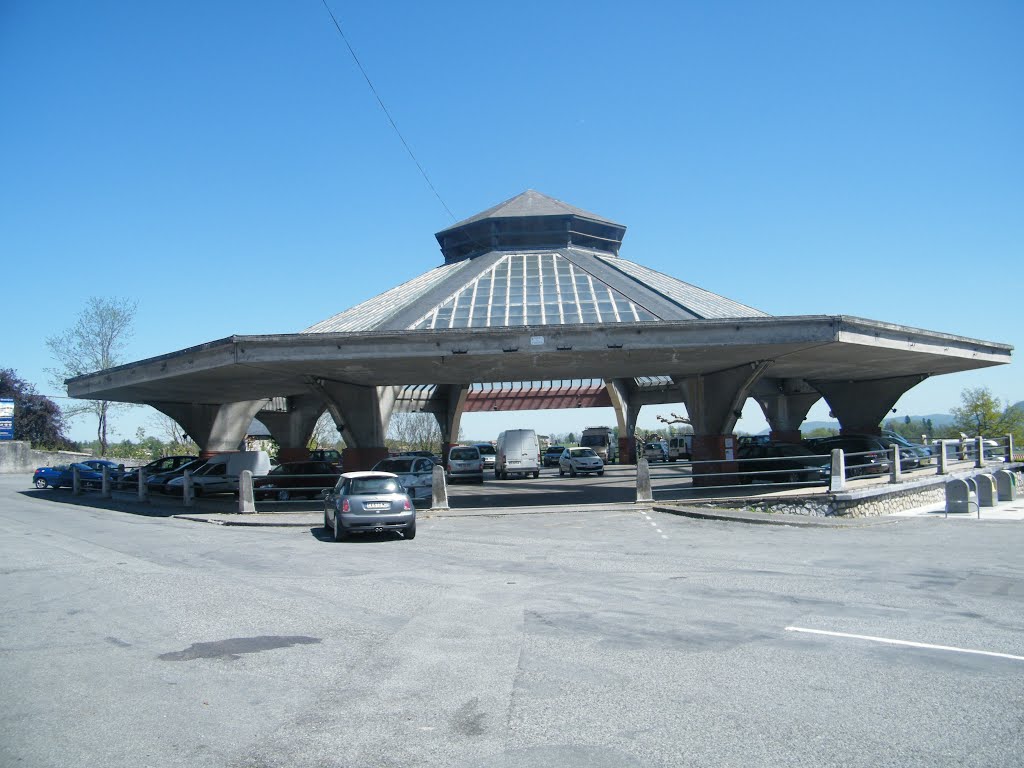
<point x="938" y="420"/>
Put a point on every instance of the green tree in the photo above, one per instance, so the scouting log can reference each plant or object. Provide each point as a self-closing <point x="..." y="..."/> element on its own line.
<point x="37" y="418"/>
<point x="980" y="413"/>
<point x="95" y="342"/>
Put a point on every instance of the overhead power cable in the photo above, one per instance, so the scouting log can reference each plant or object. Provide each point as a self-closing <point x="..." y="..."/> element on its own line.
<point x="391" y="120"/>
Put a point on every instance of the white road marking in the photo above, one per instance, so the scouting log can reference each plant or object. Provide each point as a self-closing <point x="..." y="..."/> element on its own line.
<point x="890" y="641"/>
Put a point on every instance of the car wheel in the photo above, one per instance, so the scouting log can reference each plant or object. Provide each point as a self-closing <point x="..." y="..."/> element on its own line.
<point x="601" y="473"/>
<point x="504" y="475"/>
<point x="327" y="523"/>
<point x="572" y="471"/>
<point x="561" y="472"/>
<point x="283" y="495"/>
<point x="40" y="482"/>
<point x="410" y="531"/>
<point x="339" y="534"/>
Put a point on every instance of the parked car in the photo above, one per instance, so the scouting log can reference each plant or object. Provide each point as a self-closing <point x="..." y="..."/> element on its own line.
<point x="489" y="454"/>
<point x="656" y="451"/>
<point x="464" y="463"/>
<point x="518" y="454"/>
<point x="113" y="468"/>
<point x="220" y="473"/>
<point x="416" y="473"/>
<point x="48" y="476"/>
<point x="782" y="463"/>
<point x="330" y="455"/>
<point x="364" y="502"/>
<point x="551" y="455"/>
<point x="425" y="454"/>
<point x="130" y="479"/>
<point x="864" y="454"/>
<point x="64" y="477"/>
<point x="295" y="479"/>
<point x="580" y="461"/>
<point x="157" y="483"/>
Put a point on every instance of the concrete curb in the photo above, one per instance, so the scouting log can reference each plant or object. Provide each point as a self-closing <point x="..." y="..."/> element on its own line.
<point x="764" y="518"/>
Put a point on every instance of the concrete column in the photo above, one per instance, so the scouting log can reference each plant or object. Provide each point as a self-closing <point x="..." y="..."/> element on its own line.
<point x="785" y="403"/>
<point x="714" y="403"/>
<point x="363" y="414"/>
<point x="449" y="419"/>
<point x="861" y="406"/>
<point x="293" y="429"/>
<point x="627" y="409"/>
<point x="216" y="428"/>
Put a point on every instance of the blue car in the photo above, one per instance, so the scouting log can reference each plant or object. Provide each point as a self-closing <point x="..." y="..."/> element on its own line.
<point x="48" y="476"/>
<point x="63" y="476"/>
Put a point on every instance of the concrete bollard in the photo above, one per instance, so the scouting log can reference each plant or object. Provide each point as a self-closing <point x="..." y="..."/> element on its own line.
<point x="143" y="488"/>
<point x="837" y="474"/>
<point x="942" y="470"/>
<point x="1009" y="448"/>
<point x="105" y="483"/>
<point x="1006" y="487"/>
<point x="643" y="482"/>
<point x="246" y="500"/>
<point x="986" y="490"/>
<point x="895" y="463"/>
<point x="76" y="482"/>
<point x="186" y="489"/>
<point x="959" y="498"/>
<point x="979" y="449"/>
<point x="438" y="489"/>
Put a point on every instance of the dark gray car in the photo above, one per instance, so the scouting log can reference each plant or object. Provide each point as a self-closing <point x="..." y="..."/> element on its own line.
<point x="369" y="502"/>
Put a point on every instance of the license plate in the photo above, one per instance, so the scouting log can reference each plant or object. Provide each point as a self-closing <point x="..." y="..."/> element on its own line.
<point x="377" y="505"/>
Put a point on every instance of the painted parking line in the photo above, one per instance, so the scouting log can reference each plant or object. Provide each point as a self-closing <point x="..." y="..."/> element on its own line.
<point x="891" y="641"/>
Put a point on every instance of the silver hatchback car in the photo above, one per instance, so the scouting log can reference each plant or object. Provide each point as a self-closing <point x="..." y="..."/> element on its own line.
<point x="369" y="502"/>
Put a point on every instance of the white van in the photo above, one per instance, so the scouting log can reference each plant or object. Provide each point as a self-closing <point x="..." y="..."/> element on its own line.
<point x="680" y="447"/>
<point x="518" y="453"/>
<point x="220" y="473"/>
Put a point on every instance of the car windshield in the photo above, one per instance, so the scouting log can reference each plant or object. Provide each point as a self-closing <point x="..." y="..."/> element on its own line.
<point x="792" y="450"/>
<point x="577" y="452"/>
<point x="554" y="449"/>
<point x="365" y="485"/>
<point x="592" y="440"/>
<point x="464" y="454"/>
<point x="486" y="449"/>
<point x="397" y="466"/>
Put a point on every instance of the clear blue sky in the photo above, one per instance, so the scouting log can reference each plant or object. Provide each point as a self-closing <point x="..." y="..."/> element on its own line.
<point x="227" y="165"/>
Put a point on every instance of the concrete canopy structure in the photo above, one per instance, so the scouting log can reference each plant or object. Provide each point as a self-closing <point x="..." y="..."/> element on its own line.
<point x="533" y="290"/>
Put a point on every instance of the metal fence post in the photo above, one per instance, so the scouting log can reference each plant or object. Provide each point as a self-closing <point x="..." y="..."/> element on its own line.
<point x="837" y="473"/>
<point x="1009" y="448"/>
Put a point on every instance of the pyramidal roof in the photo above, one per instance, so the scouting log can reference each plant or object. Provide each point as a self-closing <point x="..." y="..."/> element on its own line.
<point x="533" y="261"/>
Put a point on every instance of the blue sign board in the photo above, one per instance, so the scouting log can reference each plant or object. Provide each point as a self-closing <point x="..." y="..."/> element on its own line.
<point x="6" y="419"/>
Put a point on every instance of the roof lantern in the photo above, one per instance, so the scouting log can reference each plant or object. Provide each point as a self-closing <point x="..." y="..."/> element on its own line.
<point x="529" y="221"/>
